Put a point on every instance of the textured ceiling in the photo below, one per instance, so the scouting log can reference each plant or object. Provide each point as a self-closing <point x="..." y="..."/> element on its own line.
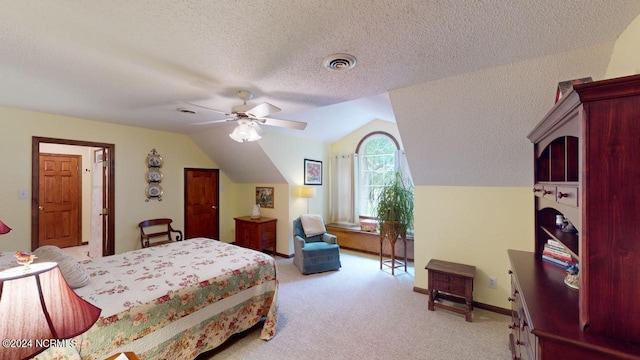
<point x="133" y="61"/>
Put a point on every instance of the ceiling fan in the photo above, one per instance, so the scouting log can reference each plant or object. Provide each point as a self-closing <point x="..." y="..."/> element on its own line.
<point x="250" y="117"/>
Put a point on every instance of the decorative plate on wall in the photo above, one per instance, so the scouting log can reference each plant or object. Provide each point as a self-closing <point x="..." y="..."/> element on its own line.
<point x="154" y="176"/>
<point x="154" y="190"/>
<point x="154" y="159"/>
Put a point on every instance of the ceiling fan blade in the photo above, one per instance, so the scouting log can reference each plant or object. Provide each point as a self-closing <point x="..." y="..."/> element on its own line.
<point x="289" y="124"/>
<point x="256" y="126"/>
<point x="216" y="121"/>
<point x="262" y="110"/>
<point x="208" y="108"/>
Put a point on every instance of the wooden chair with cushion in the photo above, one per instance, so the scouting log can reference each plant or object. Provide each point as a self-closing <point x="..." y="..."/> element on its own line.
<point x="162" y="229"/>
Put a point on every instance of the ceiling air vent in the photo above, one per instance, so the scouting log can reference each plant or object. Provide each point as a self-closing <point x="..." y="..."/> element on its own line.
<point x="339" y="62"/>
<point x="187" y="111"/>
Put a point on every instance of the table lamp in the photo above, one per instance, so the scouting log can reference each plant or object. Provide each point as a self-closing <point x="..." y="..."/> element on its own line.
<point x="4" y="229"/>
<point x="37" y="308"/>
<point x="307" y="192"/>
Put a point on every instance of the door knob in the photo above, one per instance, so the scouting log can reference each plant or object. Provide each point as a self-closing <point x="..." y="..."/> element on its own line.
<point x="40" y="208"/>
<point x="213" y="207"/>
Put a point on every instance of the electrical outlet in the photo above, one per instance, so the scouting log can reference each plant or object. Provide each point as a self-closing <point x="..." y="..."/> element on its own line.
<point x="493" y="282"/>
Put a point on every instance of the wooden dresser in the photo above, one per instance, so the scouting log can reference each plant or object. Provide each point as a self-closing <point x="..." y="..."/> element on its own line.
<point x="587" y="171"/>
<point x="257" y="234"/>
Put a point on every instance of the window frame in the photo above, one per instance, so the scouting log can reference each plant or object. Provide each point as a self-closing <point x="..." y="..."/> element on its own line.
<point x="360" y="185"/>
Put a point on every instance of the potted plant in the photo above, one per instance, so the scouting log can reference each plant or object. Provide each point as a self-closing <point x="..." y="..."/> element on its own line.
<point x="395" y="206"/>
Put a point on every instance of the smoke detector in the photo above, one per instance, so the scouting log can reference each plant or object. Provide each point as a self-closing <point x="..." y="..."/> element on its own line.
<point x="339" y="62"/>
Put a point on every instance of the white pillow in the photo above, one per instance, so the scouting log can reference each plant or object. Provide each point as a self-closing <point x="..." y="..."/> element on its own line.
<point x="312" y="224"/>
<point x="75" y="274"/>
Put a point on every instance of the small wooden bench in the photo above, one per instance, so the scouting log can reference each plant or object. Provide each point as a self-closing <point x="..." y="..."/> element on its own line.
<point x="164" y="225"/>
<point x="451" y="278"/>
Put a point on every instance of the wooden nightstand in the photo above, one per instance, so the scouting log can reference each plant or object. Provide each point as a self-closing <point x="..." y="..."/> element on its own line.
<point x="256" y="234"/>
<point x="452" y="278"/>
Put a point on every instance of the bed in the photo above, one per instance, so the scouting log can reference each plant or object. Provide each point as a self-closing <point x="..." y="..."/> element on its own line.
<point x="175" y="301"/>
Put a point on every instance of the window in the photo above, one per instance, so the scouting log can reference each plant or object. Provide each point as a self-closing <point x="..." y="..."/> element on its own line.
<point x="377" y="161"/>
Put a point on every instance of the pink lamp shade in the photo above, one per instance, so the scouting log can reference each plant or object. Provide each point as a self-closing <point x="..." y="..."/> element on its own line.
<point x="4" y="228"/>
<point x="37" y="304"/>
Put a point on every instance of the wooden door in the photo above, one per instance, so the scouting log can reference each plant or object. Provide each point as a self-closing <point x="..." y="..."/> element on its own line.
<point x="201" y="214"/>
<point x="59" y="201"/>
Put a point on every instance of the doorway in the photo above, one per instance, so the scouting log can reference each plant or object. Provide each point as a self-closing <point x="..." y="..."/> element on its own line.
<point x="201" y="201"/>
<point x="105" y="197"/>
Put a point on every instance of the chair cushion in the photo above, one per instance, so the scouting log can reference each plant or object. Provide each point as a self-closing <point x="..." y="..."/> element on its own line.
<point x="72" y="271"/>
<point x="320" y="248"/>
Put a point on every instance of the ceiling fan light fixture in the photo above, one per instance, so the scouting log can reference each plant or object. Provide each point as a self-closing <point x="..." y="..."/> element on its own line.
<point x="339" y="62"/>
<point x="245" y="132"/>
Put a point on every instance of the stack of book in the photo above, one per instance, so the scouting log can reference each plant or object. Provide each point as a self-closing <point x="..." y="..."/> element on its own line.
<point x="555" y="253"/>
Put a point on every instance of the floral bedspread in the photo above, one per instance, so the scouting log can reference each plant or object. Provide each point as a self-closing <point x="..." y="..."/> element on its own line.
<point x="175" y="301"/>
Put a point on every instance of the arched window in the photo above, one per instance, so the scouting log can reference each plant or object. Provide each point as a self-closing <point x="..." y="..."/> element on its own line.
<point x="377" y="154"/>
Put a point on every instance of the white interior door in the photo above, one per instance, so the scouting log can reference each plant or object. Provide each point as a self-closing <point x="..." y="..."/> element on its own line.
<point x="95" y="244"/>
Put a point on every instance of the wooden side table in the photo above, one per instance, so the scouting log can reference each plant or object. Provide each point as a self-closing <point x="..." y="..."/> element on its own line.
<point x="452" y="278"/>
<point x="256" y="234"/>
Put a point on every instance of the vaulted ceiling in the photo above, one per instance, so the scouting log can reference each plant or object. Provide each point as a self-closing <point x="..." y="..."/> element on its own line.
<point x="135" y="62"/>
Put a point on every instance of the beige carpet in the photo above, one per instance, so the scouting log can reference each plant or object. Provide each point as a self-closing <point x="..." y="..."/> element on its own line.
<point x="361" y="312"/>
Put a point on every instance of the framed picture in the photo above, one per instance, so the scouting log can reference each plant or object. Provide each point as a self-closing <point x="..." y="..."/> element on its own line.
<point x="312" y="172"/>
<point x="264" y="197"/>
<point x="98" y="156"/>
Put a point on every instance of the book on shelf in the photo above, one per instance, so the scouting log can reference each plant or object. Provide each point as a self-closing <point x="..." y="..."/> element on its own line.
<point x="555" y="243"/>
<point x="559" y="256"/>
<point x="558" y="262"/>
<point x="559" y="249"/>
<point x="554" y="252"/>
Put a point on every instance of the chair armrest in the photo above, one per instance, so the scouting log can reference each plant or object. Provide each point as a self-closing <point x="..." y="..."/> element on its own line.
<point x="298" y="243"/>
<point x="144" y="240"/>
<point x="178" y="232"/>
<point x="329" y="238"/>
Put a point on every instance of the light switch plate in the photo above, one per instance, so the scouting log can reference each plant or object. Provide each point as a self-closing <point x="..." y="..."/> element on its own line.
<point x="23" y="194"/>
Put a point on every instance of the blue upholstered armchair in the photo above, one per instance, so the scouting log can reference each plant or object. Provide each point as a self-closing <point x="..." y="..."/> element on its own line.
<point x="315" y="253"/>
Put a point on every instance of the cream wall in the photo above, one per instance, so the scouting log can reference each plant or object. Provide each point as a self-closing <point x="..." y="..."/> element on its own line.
<point x="288" y="153"/>
<point x="476" y="226"/>
<point x="131" y="148"/>
<point x="625" y="59"/>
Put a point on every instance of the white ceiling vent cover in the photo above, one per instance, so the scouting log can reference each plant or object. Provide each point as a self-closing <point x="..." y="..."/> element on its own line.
<point x="339" y="62"/>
